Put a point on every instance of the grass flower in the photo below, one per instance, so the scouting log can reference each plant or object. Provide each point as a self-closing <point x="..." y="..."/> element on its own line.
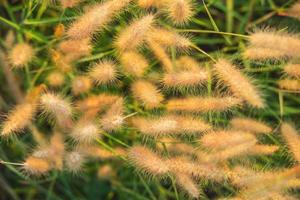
<point x="179" y="11"/>
<point x="36" y="166"/>
<point x="292" y="138"/>
<point x="292" y="70"/>
<point x="250" y="125"/>
<point x="289" y="84"/>
<point x="21" y="54"/>
<point x="81" y="84"/>
<point x="104" y="72"/>
<point x="134" y="63"/>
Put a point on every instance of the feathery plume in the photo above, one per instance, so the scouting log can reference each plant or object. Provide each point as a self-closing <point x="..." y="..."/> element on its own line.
<point x="179" y="11"/>
<point x="289" y="84"/>
<point x="185" y="78"/>
<point x="85" y="131"/>
<point x="81" y="84"/>
<point x="258" y="53"/>
<point x="263" y="149"/>
<point x="58" y="108"/>
<point x="36" y="166"/>
<point x="59" y="31"/>
<point x="292" y="70"/>
<point x="135" y="34"/>
<point x="69" y="3"/>
<point x="77" y="48"/>
<point x="146" y="3"/>
<point x="292" y="138"/>
<point x="104" y="72"/>
<point x="60" y="61"/>
<point x="74" y="161"/>
<point x="95" y="18"/>
<point x="147" y="94"/>
<point x="56" y="79"/>
<point x="287" y="43"/>
<point x="21" y="54"/>
<point x="188" y="184"/>
<point x="169" y="125"/>
<point x="147" y="161"/>
<point x="249" y="125"/>
<point x="103" y="154"/>
<point x="175" y="146"/>
<point x="294" y="11"/>
<point x="187" y="63"/>
<point x="134" y="63"/>
<point x="113" y="119"/>
<point x="18" y="119"/>
<point x="238" y="83"/>
<point x="202" y="104"/>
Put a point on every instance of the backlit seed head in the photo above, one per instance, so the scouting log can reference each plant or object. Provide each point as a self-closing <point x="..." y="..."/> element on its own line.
<point x="259" y="53"/>
<point x="85" y="131"/>
<point x="134" y="63"/>
<point x="292" y="70"/>
<point x="250" y="125"/>
<point x="56" y="79"/>
<point x="81" y="84"/>
<point x="21" y="54"/>
<point x="289" y="84"/>
<point x="179" y="11"/>
<point x="187" y="63"/>
<point x="104" y="72"/>
<point x="36" y="166"/>
<point x="76" y="48"/>
<point x="69" y="3"/>
<point x="74" y="161"/>
<point x="292" y="138"/>
<point x="113" y="119"/>
<point x="187" y="183"/>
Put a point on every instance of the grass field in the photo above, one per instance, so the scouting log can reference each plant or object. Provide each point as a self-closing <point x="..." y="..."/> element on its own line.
<point x="51" y="124"/>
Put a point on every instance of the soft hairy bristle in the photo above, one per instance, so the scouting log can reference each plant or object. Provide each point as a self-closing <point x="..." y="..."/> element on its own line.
<point x="294" y="11"/>
<point x="187" y="63"/>
<point x="169" y="125"/>
<point x="187" y="183"/>
<point x="113" y="119"/>
<point x="185" y="78"/>
<point x="258" y="53"/>
<point x="179" y="11"/>
<point x="292" y="138"/>
<point x="58" y="108"/>
<point x="289" y="84"/>
<point x="18" y="119"/>
<point x="61" y="62"/>
<point x="202" y="104"/>
<point x="74" y="161"/>
<point x="146" y="3"/>
<point x="56" y="79"/>
<point x="36" y="166"/>
<point x="81" y="84"/>
<point x="238" y="83"/>
<point x="292" y="70"/>
<point x="250" y="125"/>
<point x="85" y="131"/>
<point x="21" y="54"/>
<point x="147" y="161"/>
<point x="69" y="3"/>
<point x="135" y="34"/>
<point x="95" y="18"/>
<point x="134" y="63"/>
<point x="147" y="93"/>
<point x="104" y="72"/>
<point x="263" y="149"/>
<point x="77" y="48"/>
<point x="288" y="44"/>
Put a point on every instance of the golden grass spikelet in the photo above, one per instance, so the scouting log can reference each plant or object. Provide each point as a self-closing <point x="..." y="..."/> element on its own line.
<point x="147" y="161"/>
<point x="104" y="72"/>
<point x="55" y="79"/>
<point x="135" y="34"/>
<point x="202" y="104"/>
<point x="239" y="84"/>
<point x="292" y="70"/>
<point x="187" y="184"/>
<point x="81" y="84"/>
<point x="294" y="11"/>
<point x="134" y="63"/>
<point x="220" y="140"/>
<point x="74" y="161"/>
<point x="289" y="84"/>
<point x="169" y="125"/>
<point x="106" y="172"/>
<point x="185" y="78"/>
<point x="18" y="119"/>
<point x="168" y="38"/>
<point x="147" y="93"/>
<point x="187" y="63"/>
<point x="292" y="138"/>
<point x="58" y="108"/>
<point x="263" y="149"/>
<point x="85" y="131"/>
<point x="21" y="54"/>
<point x="96" y="152"/>
<point x="69" y="3"/>
<point x="95" y="18"/>
<point x="250" y="125"/>
<point x="77" y="48"/>
<point x="59" y="31"/>
<point x="113" y="119"/>
<point x="258" y="53"/>
<point x="146" y="3"/>
<point x="287" y="43"/>
<point x="179" y="11"/>
<point x="60" y="61"/>
<point x="36" y="166"/>
<point x="174" y="146"/>
<point x="161" y="54"/>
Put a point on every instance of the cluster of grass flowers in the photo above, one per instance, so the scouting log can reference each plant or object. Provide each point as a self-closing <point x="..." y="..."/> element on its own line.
<point x="150" y="99"/>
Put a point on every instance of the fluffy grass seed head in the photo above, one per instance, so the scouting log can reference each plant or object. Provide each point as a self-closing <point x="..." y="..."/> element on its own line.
<point x="134" y="63"/>
<point x="106" y="172"/>
<point x="294" y="11"/>
<point x="57" y="107"/>
<point x="292" y="70"/>
<point x="59" y="31"/>
<point x="36" y="166"/>
<point x="263" y="149"/>
<point x="259" y="53"/>
<point x="147" y="93"/>
<point x="179" y="11"/>
<point x="250" y="125"/>
<point x="81" y="84"/>
<point x="289" y="84"/>
<point x="292" y="138"/>
<point x="74" y="161"/>
<point x="135" y="34"/>
<point x="69" y="3"/>
<point x="95" y="18"/>
<point x="113" y="119"/>
<point x="104" y="72"/>
<point x="187" y="183"/>
<point x="55" y="79"/>
<point x="187" y="63"/>
<point x="202" y="104"/>
<point x="147" y="161"/>
<point x="60" y="61"/>
<point x="76" y="48"/>
<point x="238" y="83"/>
<point x="85" y="131"/>
<point x="21" y="54"/>
<point x="18" y="119"/>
